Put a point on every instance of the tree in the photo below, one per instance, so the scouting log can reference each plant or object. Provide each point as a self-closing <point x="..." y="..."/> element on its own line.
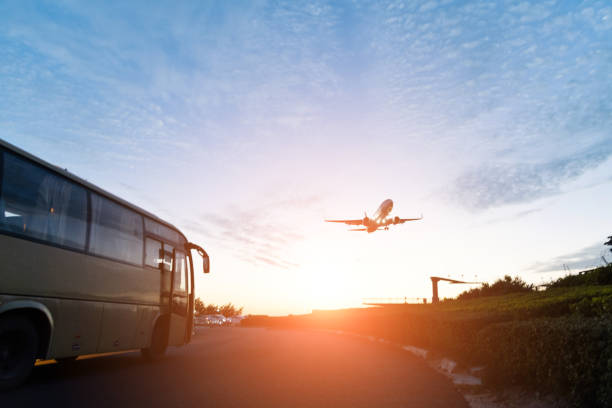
<point x="230" y="310"/>
<point x="497" y="288"/>
<point x="199" y="307"/>
<point x="227" y="310"/>
<point x="609" y="242"/>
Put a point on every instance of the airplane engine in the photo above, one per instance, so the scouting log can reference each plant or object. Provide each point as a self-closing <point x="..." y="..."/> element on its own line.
<point x="366" y="221"/>
<point x="396" y="220"/>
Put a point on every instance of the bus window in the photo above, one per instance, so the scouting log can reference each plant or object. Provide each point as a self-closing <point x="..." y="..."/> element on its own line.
<point x="180" y="282"/>
<point x="162" y="231"/>
<point x="41" y="205"/>
<point x="116" y="232"/>
<point x="152" y="252"/>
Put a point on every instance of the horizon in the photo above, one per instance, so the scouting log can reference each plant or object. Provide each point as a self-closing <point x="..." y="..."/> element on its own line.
<point x="247" y="125"/>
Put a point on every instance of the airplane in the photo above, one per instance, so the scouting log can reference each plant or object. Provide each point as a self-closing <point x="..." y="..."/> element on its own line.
<point x="379" y="221"/>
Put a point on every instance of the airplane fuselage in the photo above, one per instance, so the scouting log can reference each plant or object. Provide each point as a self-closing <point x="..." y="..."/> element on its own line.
<point x="377" y="220"/>
<point x="383" y="211"/>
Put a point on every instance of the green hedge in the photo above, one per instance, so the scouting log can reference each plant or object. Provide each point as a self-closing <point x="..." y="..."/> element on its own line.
<point x="597" y="276"/>
<point x="569" y="356"/>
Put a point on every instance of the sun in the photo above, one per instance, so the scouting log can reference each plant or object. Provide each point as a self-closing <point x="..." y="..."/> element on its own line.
<point x="327" y="280"/>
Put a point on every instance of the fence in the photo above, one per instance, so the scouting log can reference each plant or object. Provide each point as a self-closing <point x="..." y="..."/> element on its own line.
<point x="395" y="301"/>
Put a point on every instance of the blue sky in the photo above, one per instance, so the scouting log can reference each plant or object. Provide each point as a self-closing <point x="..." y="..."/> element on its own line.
<point x="248" y="123"/>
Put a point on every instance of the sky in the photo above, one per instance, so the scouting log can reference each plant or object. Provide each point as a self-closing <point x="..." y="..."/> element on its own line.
<point x="246" y="124"/>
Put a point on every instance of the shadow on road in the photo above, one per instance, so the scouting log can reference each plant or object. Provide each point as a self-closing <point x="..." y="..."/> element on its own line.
<point x="107" y="365"/>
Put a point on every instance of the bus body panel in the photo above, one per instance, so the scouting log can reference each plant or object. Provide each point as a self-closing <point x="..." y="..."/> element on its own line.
<point x="147" y="316"/>
<point x="98" y="305"/>
<point x="178" y="328"/>
<point x="119" y="325"/>
<point x="78" y="328"/>
<point x="43" y="270"/>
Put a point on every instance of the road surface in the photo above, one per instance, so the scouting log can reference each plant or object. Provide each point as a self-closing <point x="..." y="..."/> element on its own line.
<point x="239" y="367"/>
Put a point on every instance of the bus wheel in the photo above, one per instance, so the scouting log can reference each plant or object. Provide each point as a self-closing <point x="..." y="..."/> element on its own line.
<point x="18" y="347"/>
<point x="159" y="343"/>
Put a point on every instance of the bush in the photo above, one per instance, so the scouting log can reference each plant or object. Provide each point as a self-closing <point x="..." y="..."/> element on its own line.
<point x="594" y="277"/>
<point x="500" y="287"/>
<point x="595" y="306"/>
<point x="567" y="356"/>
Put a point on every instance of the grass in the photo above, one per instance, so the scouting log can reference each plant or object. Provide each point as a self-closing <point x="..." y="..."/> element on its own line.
<point x="552" y="302"/>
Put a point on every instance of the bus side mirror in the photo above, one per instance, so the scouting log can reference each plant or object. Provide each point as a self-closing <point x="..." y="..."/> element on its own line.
<point x="205" y="259"/>
<point x="206" y="263"/>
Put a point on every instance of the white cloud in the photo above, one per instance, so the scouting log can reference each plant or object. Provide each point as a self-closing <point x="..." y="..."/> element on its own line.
<point x="588" y="257"/>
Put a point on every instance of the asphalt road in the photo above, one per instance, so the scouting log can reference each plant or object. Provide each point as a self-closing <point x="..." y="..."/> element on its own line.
<point x="235" y="367"/>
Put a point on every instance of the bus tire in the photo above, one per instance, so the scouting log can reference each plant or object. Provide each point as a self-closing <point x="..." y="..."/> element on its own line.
<point x="159" y="343"/>
<point x="18" y="347"/>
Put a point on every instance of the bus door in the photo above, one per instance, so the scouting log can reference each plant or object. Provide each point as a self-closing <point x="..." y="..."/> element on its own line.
<point x="179" y="300"/>
<point x="191" y="299"/>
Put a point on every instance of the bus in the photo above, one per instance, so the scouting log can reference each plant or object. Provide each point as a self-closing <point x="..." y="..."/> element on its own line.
<point x="83" y="271"/>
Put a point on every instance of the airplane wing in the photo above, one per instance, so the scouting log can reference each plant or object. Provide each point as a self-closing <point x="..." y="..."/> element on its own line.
<point x="349" y="222"/>
<point x="403" y="220"/>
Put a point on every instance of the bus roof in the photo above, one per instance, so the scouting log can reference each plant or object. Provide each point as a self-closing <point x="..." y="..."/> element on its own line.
<point x="87" y="184"/>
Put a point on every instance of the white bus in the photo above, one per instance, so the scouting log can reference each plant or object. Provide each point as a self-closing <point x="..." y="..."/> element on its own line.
<point x="84" y="271"/>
